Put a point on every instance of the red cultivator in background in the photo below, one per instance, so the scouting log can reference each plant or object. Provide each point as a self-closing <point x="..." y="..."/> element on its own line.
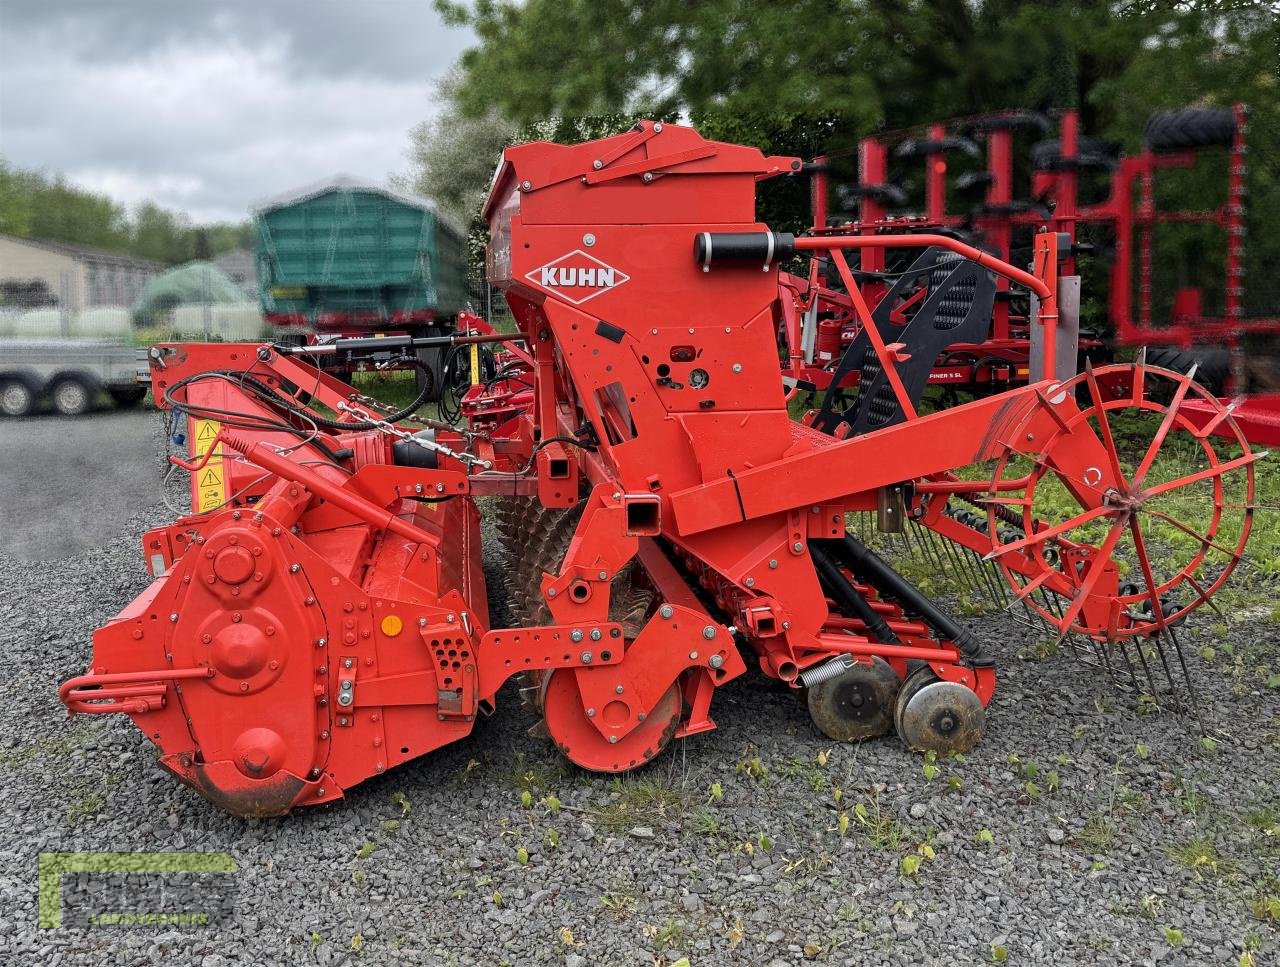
<point x="982" y="207"/>
<point x="321" y="615"/>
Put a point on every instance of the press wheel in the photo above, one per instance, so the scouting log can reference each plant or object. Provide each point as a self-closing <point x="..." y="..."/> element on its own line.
<point x="575" y="734"/>
<point x="856" y="705"/>
<point x="933" y="715"/>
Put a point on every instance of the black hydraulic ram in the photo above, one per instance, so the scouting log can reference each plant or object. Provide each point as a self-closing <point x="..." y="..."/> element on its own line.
<point x="868" y="566"/>
<point x="846" y="596"/>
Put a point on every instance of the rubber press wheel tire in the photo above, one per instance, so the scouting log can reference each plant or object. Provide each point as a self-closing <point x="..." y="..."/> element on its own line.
<point x="1193" y="127"/>
<point x="71" y="397"/>
<point x="1213" y="364"/>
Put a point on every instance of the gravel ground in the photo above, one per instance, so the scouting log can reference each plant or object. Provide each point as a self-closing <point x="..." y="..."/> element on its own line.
<point x="1080" y="831"/>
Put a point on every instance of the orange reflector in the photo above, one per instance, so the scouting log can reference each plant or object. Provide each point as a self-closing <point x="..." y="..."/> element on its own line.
<point x="392" y="625"/>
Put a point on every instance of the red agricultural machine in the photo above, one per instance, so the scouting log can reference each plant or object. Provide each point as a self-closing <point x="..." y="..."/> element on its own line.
<point x="321" y="615"/>
<point x="908" y="182"/>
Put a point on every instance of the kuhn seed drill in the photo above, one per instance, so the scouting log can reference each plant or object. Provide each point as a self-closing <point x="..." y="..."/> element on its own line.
<point x="321" y="614"/>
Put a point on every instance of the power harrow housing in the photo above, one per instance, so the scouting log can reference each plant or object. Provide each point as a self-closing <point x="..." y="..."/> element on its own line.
<point x="320" y="616"/>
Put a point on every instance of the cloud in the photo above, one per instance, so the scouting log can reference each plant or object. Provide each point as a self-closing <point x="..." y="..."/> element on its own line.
<point x="205" y="108"/>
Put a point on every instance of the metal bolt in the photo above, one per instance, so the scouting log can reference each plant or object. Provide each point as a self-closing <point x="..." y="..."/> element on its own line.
<point x="324" y="670"/>
<point x="321" y="642"/>
<point x="709" y="632"/>
<point x="295" y="568"/>
<point x="315" y="773"/>
<point x="613" y="739"/>
<point x="641" y="717"/>
<point x="345" y="698"/>
<point x="693" y="656"/>
<point x="244" y="686"/>
<point x="737" y="367"/>
<point x="604" y="575"/>
<point x="527" y="185"/>
<point x="324" y="735"/>
<point x="773" y="564"/>
<point x="618" y="690"/>
<point x="666" y="611"/>
<point x="346" y="663"/>
<point x="615" y="632"/>
<point x="422" y="622"/>
<point x="657" y="128"/>
<point x="551" y="592"/>
<point x="417" y="488"/>
<point x="346" y="686"/>
<point x="588" y="240"/>
<point x="586" y="657"/>
<point x="174" y="617"/>
<point x="786" y="626"/>
<point x="320" y="791"/>
<point x="575" y="634"/>
<point x="750" y="582"/>
<point x="597" y="164"/>
<point x="647" y="177"/>
<point x="439" y="488"/>
<point x="715" y="661"/>
<point x="797" y="547"/>
<point x="591" y="713"/>
<point x="449" y="618"/>
<point x="596" y="634"/>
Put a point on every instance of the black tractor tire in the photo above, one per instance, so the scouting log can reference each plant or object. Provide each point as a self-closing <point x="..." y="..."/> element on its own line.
<point x="1193" y="127"/>
<point x="16" y="398"/>
<point x="1095" y="153"/>
<point x="72" y="396"/>
<point x="433" y="359"/>
<point x="126" y="398"/>
<point x="1213" y="369"/>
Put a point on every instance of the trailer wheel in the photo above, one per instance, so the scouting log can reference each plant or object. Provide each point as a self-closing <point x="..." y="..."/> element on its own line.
<point x="71" y="396"/>
<point x="1193" y="127"/>
<point x="127" y="398"/>
<point x="16" y="398"/>
<point x="1213" y="364"/>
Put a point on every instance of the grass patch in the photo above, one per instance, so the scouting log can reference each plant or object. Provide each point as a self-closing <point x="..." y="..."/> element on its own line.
<point x="641" y="802"/>
<point x="1200" y="856"/>
<point x="1098" y="834"/>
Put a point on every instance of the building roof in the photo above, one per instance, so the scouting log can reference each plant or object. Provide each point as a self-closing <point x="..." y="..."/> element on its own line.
<point x="88" y="253"/>
<point x="344" y="182"/>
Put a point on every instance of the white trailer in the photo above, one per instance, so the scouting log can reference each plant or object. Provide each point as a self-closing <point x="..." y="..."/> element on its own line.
<point x="71" y="374"/>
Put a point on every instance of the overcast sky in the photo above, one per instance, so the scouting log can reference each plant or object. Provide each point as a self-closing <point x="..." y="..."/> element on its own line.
<point x="206" y="107"/>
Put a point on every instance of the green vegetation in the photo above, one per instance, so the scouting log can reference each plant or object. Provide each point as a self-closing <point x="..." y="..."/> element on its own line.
<point x="33" y="204"/>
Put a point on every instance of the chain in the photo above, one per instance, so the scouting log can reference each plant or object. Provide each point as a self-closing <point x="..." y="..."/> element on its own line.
<point x="391" y="429"/>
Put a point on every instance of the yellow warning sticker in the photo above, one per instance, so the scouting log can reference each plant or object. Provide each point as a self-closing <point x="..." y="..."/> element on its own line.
<point x="210" y="481"/>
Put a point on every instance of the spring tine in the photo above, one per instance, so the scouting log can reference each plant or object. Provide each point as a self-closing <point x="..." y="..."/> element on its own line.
<point x="1142" y="659"/>
<point x="929" y="538"/>
<point x="957" y="568"/>
<point x="1192" y="697"/>
<point x="1157" y="640"/>
<point x="995" y="588"/>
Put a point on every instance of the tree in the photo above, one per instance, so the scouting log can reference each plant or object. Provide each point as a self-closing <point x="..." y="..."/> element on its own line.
<point x="454" y="153"/>
<point x="35" y="205"/>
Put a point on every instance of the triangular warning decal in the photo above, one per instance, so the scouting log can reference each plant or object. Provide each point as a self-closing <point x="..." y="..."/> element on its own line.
<point x="210" y="478"/>
<point x="207" y="431"/>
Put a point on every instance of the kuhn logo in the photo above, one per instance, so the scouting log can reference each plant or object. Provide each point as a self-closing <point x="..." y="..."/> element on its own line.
<point x="577" y="277"/>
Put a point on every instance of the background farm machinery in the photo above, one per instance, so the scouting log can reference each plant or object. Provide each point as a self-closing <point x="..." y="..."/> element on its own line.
<point x="1105" y="204"/>
<point x="321" y="614"/>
